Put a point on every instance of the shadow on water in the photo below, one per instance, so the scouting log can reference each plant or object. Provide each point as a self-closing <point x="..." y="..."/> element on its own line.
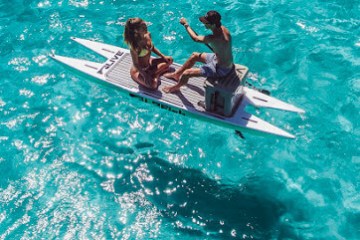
<point x="197" y="205"/>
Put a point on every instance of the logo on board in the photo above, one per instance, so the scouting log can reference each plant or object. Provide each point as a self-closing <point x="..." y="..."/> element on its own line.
<point x="110" y="62"/>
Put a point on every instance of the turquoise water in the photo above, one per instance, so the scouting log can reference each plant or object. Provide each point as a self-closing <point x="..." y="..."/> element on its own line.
<point x="82" y="160"/>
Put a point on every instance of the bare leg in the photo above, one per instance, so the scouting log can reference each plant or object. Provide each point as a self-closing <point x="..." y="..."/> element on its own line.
<point x="159" y="66"/>
<point x="150" y="78"/>
<point x="195" y="57"/>
<point x="143" y="80"/>
<point x="188" y="73"/>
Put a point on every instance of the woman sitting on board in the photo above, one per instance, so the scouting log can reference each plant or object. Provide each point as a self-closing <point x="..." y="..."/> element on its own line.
<point x="145" y="70"/>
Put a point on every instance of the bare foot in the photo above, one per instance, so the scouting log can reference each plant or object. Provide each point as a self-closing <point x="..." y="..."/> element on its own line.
<point x="171" y="89"/>
<point x="172" y="76"/>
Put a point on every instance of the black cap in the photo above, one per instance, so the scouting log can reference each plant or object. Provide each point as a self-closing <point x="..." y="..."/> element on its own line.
<point x="211" y="17"/>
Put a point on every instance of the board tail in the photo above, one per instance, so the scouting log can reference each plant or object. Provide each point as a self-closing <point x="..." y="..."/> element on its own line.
<point x="88" y="67"/>
<point x="105" y="50"/>
<point x="259" y="99"/>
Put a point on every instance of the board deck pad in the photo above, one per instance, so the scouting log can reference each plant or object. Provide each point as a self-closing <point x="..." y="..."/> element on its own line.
<point x="194" y="90"/>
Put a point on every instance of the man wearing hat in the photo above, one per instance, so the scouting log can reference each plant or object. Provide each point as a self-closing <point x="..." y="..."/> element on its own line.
<point x="217" y="64"/>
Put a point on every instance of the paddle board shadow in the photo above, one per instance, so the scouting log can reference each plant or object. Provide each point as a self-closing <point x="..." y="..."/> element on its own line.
<point x="196" y="204"/>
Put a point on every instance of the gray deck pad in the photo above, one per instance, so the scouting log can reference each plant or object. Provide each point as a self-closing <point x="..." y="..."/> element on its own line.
<point x="189" y="96"/>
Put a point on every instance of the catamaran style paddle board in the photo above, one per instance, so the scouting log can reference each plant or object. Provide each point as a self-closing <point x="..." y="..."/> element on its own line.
<point x="115" y="70"/>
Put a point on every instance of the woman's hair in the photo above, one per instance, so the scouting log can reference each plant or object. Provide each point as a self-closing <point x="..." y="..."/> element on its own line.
<point x="131" y="33"/>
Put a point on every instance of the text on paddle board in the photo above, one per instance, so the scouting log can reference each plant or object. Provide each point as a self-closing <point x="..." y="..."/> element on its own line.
<point x="110" y="62"/>
<point x="163" y="106"/>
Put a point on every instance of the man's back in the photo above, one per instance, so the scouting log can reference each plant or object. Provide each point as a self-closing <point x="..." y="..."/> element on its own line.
<point x="221" y="42"/>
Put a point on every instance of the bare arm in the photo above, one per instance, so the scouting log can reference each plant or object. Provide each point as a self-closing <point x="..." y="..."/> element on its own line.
<point x="157" y="51"/>
<point x="193" y="35"/>
<point x="135" y="59"/>
<point x="168" y="59"/>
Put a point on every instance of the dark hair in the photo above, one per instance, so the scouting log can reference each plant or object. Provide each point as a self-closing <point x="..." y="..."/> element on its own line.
<point x="131" y="33"/>
<point x="212" y="17"/>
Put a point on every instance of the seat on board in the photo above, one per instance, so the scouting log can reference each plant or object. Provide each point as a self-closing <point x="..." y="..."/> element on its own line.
<point x="222" y="95"/>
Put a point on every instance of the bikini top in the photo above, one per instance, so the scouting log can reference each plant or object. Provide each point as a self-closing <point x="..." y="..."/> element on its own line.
<point x="146" y="51"/>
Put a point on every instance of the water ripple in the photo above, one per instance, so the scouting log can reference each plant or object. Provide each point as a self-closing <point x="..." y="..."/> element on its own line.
<point x="82" y="160"/>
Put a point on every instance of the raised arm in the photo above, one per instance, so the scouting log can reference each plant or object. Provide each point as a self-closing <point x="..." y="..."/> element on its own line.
<point x="193" y="35"/>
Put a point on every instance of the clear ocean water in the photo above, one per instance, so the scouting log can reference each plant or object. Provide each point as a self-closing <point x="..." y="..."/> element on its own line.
<point x="82" y="160"/>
